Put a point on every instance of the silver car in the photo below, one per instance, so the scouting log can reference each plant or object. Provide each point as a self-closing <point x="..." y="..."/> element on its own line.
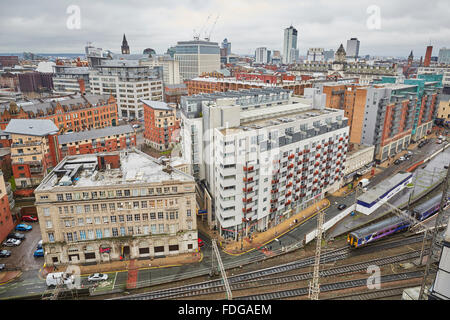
<point x="97" y="277"/>
<point x="12" y="242"/>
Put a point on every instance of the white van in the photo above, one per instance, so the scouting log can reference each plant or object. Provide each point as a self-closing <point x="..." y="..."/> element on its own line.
<point x="57" y="278"/>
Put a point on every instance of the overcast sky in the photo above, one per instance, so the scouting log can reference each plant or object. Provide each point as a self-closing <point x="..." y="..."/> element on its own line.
<point x="40" y="26"/>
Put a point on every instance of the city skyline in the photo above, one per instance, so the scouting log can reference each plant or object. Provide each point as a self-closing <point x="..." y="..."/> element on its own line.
<point x="159" y="26"/>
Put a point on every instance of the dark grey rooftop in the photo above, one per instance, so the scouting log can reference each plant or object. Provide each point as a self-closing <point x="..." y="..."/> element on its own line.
<point x="94" y="134"/>
<point x="158" y="105"/>
<point x="70" y="102"/>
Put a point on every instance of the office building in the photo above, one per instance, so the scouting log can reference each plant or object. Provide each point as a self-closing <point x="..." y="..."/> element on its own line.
<point x="197" y="57"/>
<point x="444" y="56"/>
<point x="97" y="140"/>
<point x="129" y="82"/>
<point x="315" y="55"/>
<point x="70" y="80"/>
<point x="227" y="46"/>
<point x="290" y="42"/>
<point x="115" y="206"/>
<point x="328" y="55"/>
<point x="353" y="48"/>
<point x="170" y="68"/>
<point x="9" y="61"/>
<point x="261" y="55"/>
<point x="35" y="82"/>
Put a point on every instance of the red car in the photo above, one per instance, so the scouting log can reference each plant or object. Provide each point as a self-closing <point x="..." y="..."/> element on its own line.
<point x="200" y="242"/>
<point x="29" y="218"/>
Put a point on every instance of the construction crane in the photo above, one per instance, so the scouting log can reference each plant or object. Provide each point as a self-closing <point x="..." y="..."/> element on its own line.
<point x="208" y="36"/>
<point x="216" y="254"/>
<point x="197" y="34"/>
<point x="314" y="286"/>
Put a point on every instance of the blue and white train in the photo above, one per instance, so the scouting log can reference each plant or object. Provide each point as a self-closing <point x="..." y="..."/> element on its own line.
<point x="384" y="228"/>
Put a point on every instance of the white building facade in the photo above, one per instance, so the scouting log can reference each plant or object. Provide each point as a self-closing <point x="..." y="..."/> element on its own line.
<point x="261" y="55"/>
<point x="128" y="82"/>
<point x="196" y="57"/>
<point x="290" y="42"/>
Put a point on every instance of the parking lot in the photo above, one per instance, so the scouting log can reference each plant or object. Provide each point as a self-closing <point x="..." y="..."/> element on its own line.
<point x="22" y="255"/>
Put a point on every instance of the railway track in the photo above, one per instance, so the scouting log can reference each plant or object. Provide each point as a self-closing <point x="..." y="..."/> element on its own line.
<point x="330" y="287"/>
<point x="298" y="277"/>
<point x="239" y="282"/>
<point x="377" y="294"/>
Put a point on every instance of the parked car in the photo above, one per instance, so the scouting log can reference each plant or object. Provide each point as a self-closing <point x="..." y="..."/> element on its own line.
<point x="398" y="161"/>
<point x="23" y="227"/>
<point x="39" y="253"/>
<point x="5" y="253"/>
<point x="97" y="277"/>
<point x="39" y="245"/>
<point x="136" y="126"/>
<point x="16" y="235"/>
<point x="200" y="242"/>
<point x="12" y="242"/>
<point x="402" y="159"/>
<point x="29" y="218"/>
<point x="342" y="206"/>
<point x="2" y="266"/>
<point x="59" y="278"/>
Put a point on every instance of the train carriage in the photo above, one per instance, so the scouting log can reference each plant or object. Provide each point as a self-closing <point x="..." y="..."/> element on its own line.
<point x="376" y="231"/>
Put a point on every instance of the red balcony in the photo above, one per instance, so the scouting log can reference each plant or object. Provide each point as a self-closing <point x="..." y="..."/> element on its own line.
<point x="274" y="201"/>
<point x="304" y="178"/>
<point x="316" y="164"/>
<point x="324" y="153"/>
<point x="247" y="179"/>
<point x="300" y="153"/>
<point x="275" y="181"/>
<point x="340" y="139"/>
<point x="315" y="180"/>
<point x="314" y="189"/>
<point x="291" y="157"/>
<point x="339" y="154"/>
<point x="306" y="150"/>
<point x="338" y="162"/>
<point x="290" y="175"/>
<point x="274" y="191"/>
<point x="299" y="171"/>
<point x="289" y="185"/>
<point x="290" y="166"/>
<point x="303" y="186"/>
<point x="340" y="147"/>
<point x="318" y="147"/>
<point x="302" y="194"/>
<point x="318" y="155"/>
<point x="299" y="162"/>
<point x="288" y="194"/>
<point x="273" y="209"/>
<point x="288" y="202"/>
<point x="244" y="168"/>
<point x="316" y="172"/>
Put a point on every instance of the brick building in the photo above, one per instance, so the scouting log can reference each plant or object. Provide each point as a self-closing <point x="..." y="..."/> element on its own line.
<point x="210" y="85"/>
<point x="33" y="151"/>
<point x="160" y="123"/>
<point x="99" y="140"/>
<point x="6" y="221"/>
<point x="9" y="61"/>
<point x="73" y="113"/>
<point x="9" y="80"/>
<point x="174" y="92"/>
<point x="35" y="81"/>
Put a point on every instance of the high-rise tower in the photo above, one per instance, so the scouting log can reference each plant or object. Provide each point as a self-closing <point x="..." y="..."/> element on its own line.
<point x="290" y="42"/>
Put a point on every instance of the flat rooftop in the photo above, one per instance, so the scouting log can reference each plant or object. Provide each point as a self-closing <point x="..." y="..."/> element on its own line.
<point x="94" y="134"/>
<point x="132" y="167"/>
<point x="270" y="116"/>
<point x="383" y="187"/>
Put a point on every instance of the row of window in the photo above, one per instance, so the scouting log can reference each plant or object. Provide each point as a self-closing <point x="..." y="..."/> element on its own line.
<point x="173" y="215"/>
<point x="92" y="234"/>
<point x="115" y="193"/>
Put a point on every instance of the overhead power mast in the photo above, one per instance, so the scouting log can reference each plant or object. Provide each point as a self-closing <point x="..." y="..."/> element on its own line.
<point x="314" y="286"/>
<point x="222" y="269"/>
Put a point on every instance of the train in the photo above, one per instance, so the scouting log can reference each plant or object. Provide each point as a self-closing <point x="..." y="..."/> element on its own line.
<point x="389" y="226"/>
